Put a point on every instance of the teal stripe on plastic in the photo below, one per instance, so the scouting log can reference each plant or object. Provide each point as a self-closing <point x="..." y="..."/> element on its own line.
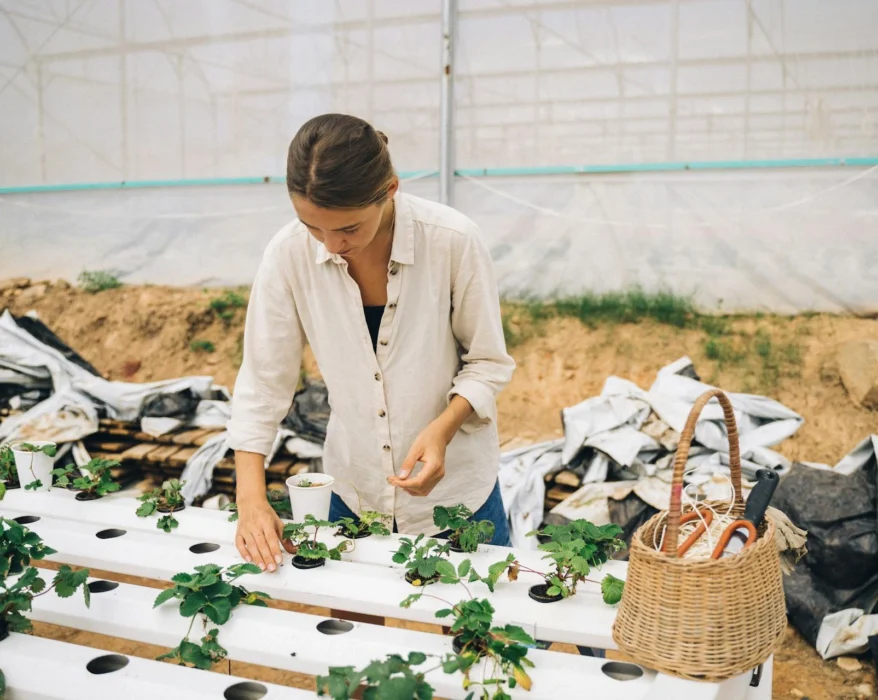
<point x="867" y="161"/>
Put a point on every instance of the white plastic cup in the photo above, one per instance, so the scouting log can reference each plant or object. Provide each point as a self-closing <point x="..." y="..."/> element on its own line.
<point x="310" y="500"/>
<point x="34" y="465"/>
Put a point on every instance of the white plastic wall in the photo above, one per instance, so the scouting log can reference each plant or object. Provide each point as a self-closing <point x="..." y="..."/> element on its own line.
<point x="113" y="90"/>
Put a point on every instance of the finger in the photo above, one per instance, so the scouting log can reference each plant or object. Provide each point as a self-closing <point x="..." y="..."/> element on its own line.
<point x="253" y="550"/>
<point x="410" y="461"/>
<point x="427" y="477"/>
<point x="267" y="563"/>
<point x="242" y="549"/>
<point x="273" y="544"/>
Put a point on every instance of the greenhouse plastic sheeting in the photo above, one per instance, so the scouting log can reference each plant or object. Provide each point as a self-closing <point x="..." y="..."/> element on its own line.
<point x="782" y="241"/>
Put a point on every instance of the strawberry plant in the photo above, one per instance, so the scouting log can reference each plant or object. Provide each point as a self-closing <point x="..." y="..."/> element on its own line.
<point x="421" y="560"/>
<point x="575" y="549"/>
<point x="208" y="593"/>
<point x="49" y="450"/>
<point x="92" y="480"/>
<point x="8" y="471"/>
<point x="311" y="553"/>
<point x="391" y="679"/>
<point x="165" y="499"/>
<point x="369" y="522"/>
<point x="475" y="637"/>
<point x="19" y="546"/>
<point x="466" y="534"/>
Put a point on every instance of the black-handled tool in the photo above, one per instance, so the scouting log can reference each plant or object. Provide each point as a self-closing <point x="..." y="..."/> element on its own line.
<point x="742" y="533"/>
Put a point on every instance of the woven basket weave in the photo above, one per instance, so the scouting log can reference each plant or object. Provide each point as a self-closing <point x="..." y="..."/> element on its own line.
<point x="701" y="619"/>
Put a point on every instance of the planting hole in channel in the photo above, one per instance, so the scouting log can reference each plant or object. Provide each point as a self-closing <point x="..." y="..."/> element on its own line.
<point x="204" y="548"/>
<point x="106" y="664"/>
<point x="245" y="691"/>
<point x="26" y="519"/>
<point x="110" y="534"/>
<point x="334" y="626"/>
<point x="620" y="671"/>
<point x="102" y="586"/>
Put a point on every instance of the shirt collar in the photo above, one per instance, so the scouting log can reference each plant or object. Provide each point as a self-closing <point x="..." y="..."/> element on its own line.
<point x="403" y="247"/>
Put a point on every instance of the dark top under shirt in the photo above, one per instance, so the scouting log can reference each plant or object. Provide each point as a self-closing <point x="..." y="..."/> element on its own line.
<point x="373" y="321"/>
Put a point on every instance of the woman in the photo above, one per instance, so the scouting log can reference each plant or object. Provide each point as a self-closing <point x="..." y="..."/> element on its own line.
<point x="396" y="297"/>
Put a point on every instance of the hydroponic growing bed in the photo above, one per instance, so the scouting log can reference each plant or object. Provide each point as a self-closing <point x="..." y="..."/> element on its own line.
<point x="107" y="534"/>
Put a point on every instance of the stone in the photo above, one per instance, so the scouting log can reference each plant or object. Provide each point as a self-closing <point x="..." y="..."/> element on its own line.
<point x="62" y="284"/>
<point x="864" y="690"/>
<point x="14" y="283"/>
<point x="796" y="693"/>
<point x="858" y="366"/>
<point x="32" y="294"/>
<point x="848" y="663"/>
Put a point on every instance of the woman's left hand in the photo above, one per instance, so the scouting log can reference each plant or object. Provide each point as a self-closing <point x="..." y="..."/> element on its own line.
<point x="428" y="448"/>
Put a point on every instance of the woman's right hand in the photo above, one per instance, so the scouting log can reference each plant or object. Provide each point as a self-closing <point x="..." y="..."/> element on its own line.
<point x="259" y="533"/>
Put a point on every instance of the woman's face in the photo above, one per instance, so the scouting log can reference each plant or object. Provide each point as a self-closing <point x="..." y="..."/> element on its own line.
<point x="344" y="232"/>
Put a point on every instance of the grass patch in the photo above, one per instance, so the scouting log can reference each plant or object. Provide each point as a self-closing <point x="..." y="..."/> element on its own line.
<point x="763" y="360"/>
<point x="224" y="306"/>
<point x="628" y="307"/>
<point x="97" y="281"/>
<point x="523" y="319"/>
<point x="202" y="346"/>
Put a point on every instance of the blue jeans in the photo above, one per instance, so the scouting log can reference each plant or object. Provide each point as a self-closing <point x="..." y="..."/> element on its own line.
<point x="492" y="510"/>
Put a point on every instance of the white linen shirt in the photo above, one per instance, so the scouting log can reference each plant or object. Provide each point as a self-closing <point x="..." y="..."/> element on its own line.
<point x="441" y="335"/>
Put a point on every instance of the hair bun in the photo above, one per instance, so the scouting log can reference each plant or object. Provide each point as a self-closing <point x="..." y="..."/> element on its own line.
<point x="382" y="135"/>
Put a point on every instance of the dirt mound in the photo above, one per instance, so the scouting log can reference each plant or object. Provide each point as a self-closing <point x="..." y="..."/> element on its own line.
<point x="149" y="333"/>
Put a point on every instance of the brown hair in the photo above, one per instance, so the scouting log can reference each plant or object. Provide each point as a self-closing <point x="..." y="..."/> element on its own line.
<point x="337" y="161"/>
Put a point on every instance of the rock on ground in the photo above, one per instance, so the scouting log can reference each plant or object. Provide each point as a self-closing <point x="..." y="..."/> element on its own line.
<point x="858" y="365"/>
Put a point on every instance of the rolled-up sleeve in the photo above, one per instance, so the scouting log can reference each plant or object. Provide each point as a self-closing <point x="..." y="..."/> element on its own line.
<point x="273" y="343"/>
<point x="476" y="323"/>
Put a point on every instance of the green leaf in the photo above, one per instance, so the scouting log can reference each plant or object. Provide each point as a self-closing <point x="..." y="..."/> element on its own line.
<point x="66" y="581"/>
<point x="164" y="596"/>
<point x="167" y="523"/>
<point x="218" y="611"/>
<point x="49" y="450"/>
<point x="553" y="590"/>
<point x="410" y="600"/>
<point x="192" y="603"/>
<point x="445" y="612"/>
<point x="192" y="654"/>
<point x="182" y="578"/>
<point x="464" y="568"/>
<point x="241" y="569"/>
<point x="514" y="633"/>
<point x="611" y="589"/>
<point x="446" y="569"/>
<point x="34" y="485"/>
<point x="220" y="589"/>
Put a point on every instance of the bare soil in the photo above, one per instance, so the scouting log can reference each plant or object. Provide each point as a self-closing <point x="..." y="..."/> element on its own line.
<point x="147" y="333"/>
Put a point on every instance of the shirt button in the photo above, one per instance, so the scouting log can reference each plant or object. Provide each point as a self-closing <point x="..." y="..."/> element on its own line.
<point x="387" y="448"/>
<point x="383" y="342"/>
<point x="377" y="377"/>
<point x="393" y="271"/>
<point x="391" y="305"/>
<point x="382" y="413"/>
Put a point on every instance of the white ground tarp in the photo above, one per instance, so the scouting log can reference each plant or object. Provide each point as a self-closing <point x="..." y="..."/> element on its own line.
<point x="626" y="436"/>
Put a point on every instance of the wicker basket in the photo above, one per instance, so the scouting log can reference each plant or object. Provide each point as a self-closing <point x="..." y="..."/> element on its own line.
<point x="701" y="619"/>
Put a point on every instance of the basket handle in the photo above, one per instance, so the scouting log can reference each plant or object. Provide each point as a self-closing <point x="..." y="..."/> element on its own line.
<point x="675" y="510"/>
